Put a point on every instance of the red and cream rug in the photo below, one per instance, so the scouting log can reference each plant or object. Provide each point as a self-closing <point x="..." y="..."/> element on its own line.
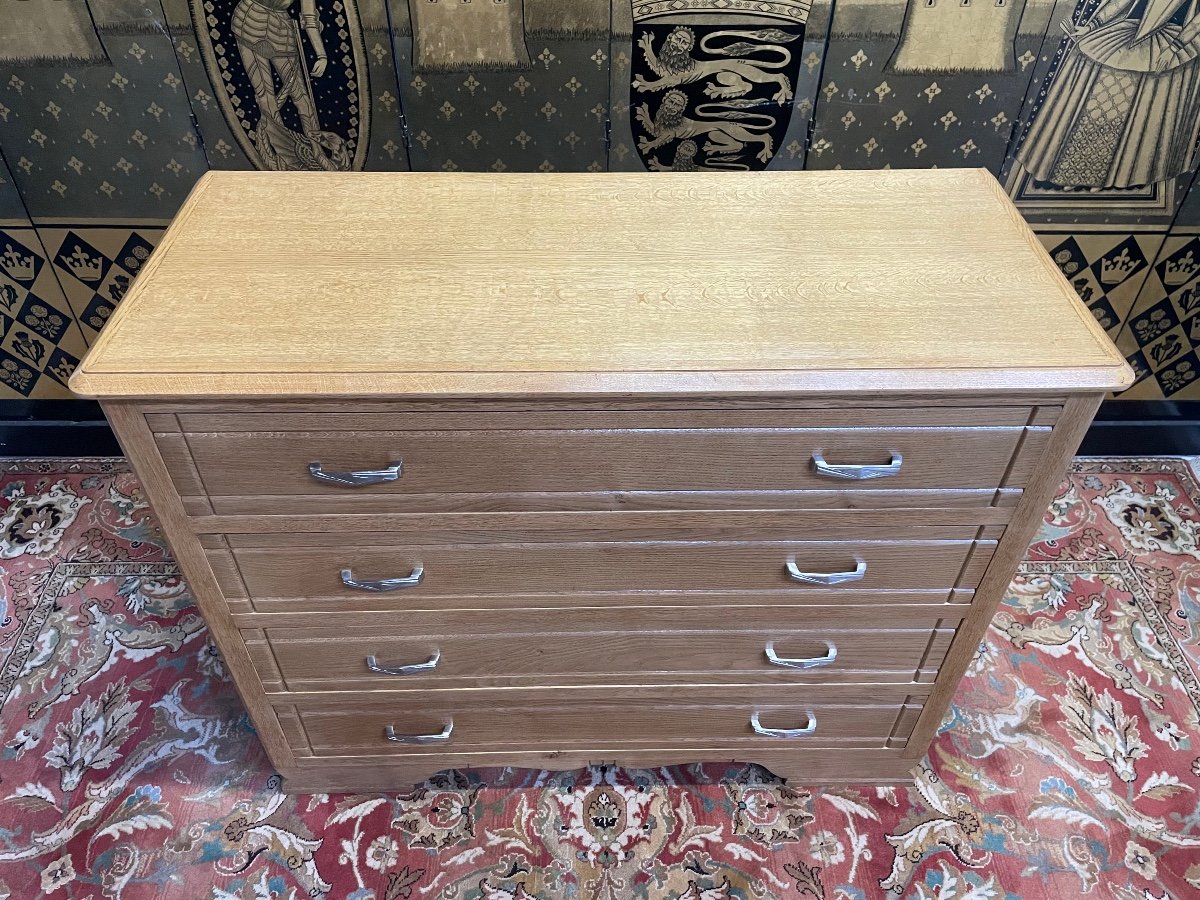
<point x="1069" y="765"/>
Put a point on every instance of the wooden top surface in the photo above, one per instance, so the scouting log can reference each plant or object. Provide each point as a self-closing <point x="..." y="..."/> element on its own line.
<point x="377" y="284"/>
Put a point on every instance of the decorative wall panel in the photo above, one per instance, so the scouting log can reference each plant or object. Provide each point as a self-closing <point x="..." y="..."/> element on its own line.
<point x="40" y="340"/>
<point x="1161" y="333"/>
<point x="94" y="119"/>
<point x="95" y="266"/>
<point x="522" y="86"/>
<point x="291" y="86"/>
<point x="1107" y="269"/>
<point x="925" y="82"/>
<point x="1108" y="133"/>
<point x="713" y="84"/>
<point x="1088" y="111"/>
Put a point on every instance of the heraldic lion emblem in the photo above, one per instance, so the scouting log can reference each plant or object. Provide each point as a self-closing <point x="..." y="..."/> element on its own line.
<point x="725" y="95"/>
<point x="732" y="72"/>
<point x="739" y="61"/>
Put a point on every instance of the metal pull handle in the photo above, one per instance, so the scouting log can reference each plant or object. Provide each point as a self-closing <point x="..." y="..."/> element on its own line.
<point x="444" y="735"/>
<point x="386" y="584"/>
<point x="410" y="669"/>
<point x="784" y="732"/>
<point x="356" y="479"/>
<point x="856" y="473"/>
<point x="811" y="662"/>
<point x="794" y="573"/>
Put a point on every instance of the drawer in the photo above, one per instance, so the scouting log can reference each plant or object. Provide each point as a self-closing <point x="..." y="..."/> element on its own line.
<point x="599" y="646"/>
<point x="545" y="468"/>
<point x="359" y="725"/>
<point x="312" y="565"/>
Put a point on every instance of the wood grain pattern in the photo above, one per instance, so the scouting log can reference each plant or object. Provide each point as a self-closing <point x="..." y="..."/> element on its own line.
<point x="702" y="526"/>
<point x="894" y="397"/>
<point x="949" y="602"/>
<point x="402" y="511"/>
<point x="512" y="461"/>
<point x="643" y="615"/>
<point x="800" y="765"/>
<point x="591" y="527"/>
<point x="482" y="418"/>
<point x="1077" y="416"/>
<point x="358" y="723"/>
<point x="138" y="444"/>
<point x="595" y="647"/>
<point x="607" y="436"/>
<point x="469" y="570"/>
<point x="905" y="721"/>
<point x="473" y="284"/>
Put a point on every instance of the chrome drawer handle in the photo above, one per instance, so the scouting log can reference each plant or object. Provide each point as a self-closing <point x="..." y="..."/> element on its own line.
<point x="444" y="735"/>
<point x="410" y="669"/>
<point x="811" y="662"/>
<point x="386" y="584"/>
<point x="794" y="573"/>
<point x="856" y="473"/>
<point x="356" y="479"/>
<point x="784" y="732"/>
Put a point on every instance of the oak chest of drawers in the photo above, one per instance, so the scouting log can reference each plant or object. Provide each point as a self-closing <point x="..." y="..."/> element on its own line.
<point x="551" y="470"/>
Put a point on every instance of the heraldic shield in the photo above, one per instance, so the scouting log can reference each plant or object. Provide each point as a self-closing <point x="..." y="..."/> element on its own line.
<point x="714" y="80"/>
<point x="291" y="79"/>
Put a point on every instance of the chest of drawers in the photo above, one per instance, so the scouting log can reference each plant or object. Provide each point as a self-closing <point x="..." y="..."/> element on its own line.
<point x="640" y="469"/>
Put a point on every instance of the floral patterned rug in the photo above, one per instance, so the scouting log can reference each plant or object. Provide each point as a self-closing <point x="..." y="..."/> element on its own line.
<point x="1069" y="764"/>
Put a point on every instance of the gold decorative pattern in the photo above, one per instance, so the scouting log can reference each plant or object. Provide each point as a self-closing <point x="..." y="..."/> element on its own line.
<point x="108" y="115"/>
<point x="787" y="10"/>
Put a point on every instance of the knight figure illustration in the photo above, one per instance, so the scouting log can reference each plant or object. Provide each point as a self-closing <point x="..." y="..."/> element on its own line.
<point x="270" y="47"/>
<point x="1123" y="108"/>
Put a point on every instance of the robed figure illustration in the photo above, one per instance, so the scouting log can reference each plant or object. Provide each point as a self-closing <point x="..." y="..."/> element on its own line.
<point x="1123" y="108"/>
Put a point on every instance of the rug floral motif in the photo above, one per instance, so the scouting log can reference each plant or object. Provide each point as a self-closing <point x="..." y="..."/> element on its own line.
<point x="1068" y="765"/>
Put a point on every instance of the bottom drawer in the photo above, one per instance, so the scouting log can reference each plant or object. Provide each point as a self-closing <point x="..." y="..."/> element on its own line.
<point x="557" y="719"/>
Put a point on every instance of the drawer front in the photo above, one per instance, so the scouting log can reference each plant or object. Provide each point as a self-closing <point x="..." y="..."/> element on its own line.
<point x="309" y="567"/>
<point x="707" y="645"/>
<point x="512" y="466"/>
<point x="358" y="726"/>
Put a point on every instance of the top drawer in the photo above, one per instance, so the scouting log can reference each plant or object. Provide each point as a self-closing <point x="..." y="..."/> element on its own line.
<point x="520" y="460"/>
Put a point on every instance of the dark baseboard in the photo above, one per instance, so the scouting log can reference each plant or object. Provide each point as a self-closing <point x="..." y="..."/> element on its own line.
<point x="78" y="428"/>
<point x="55" y="428"/>
<point x="1144" y="428"/>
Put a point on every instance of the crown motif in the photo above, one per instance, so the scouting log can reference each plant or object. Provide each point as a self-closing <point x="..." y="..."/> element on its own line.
<point x="84" y="267"/>
<point x="19" y="267"/>
<point x="1114" y="270"/>
<point x="1177" y="271"/>
<point x="795" y="11"/>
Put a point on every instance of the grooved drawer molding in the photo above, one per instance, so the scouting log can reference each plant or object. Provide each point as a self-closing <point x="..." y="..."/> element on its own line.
<point x="554" y="470"/>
